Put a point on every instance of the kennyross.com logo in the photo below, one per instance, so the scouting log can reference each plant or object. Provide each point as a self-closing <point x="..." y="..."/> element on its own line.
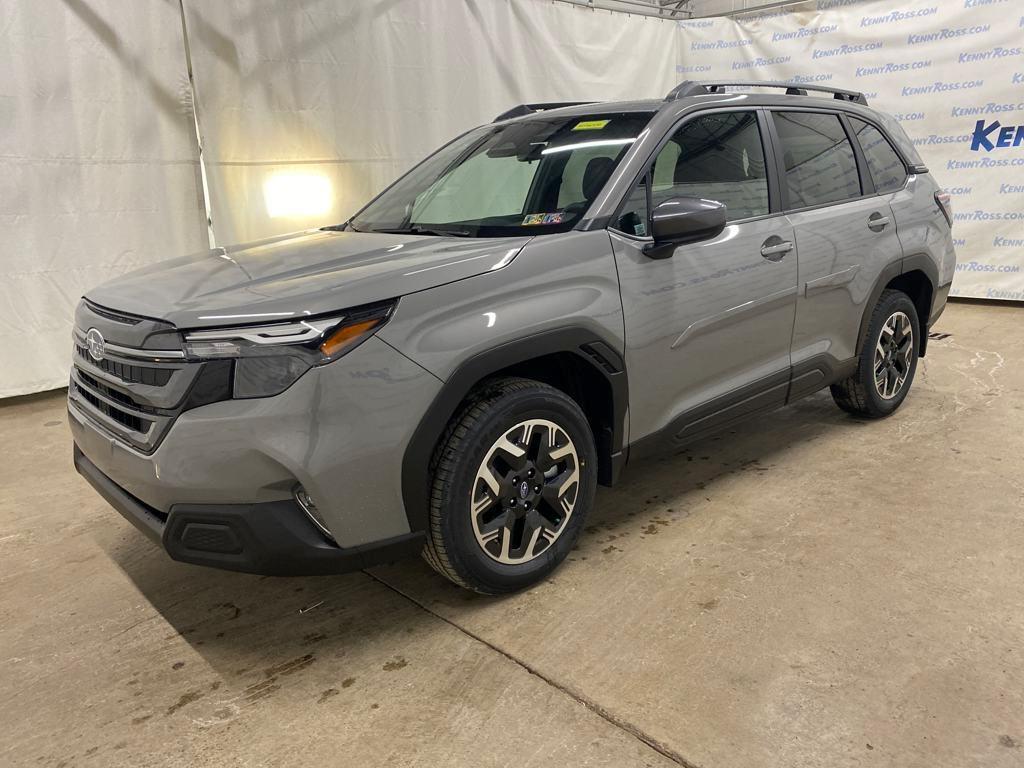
<point x="994" y="135"/>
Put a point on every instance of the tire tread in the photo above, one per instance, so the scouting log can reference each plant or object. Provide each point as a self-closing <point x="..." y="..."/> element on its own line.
<point x="851" y="394"/>
<point x="450" y="452"/>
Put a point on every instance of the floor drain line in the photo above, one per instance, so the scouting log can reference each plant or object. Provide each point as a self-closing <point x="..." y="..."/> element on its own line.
<point x="604" y="714"/>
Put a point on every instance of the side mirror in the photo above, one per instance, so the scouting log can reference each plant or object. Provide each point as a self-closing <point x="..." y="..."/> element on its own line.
<point x="681" y="220"/>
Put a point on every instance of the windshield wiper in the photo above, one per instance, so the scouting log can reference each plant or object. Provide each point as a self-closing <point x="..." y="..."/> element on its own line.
<point x="415" y="230"/>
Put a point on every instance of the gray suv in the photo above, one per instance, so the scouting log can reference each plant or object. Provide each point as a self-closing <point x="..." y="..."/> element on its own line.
<point x="454" y="369"/>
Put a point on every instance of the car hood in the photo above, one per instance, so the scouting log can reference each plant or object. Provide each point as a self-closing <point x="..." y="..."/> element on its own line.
<point x="306" y="273"/>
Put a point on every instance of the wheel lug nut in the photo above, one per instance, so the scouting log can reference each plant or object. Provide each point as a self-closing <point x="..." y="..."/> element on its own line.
<point x="536" y="489"/>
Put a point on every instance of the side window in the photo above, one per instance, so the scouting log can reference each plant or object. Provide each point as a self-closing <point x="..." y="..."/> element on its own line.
<point x="634" y="216"/>
<point x="718" y="157"/>
<point x="818" y="157"/>
<point x="887" y="169"/>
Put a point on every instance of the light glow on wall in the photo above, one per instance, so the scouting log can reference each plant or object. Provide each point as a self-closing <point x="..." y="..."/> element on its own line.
<point x="297" y="195"/>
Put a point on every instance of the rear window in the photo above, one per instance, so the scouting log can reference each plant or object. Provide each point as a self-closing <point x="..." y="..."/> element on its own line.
<point x="818" y="157"/>
<point x="886" y="167"/>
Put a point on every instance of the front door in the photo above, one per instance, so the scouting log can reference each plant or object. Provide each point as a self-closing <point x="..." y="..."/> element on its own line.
<point x="708" y="328"/>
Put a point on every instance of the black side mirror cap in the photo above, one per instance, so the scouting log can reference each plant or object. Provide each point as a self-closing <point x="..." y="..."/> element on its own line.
<point x="681" y="220"/>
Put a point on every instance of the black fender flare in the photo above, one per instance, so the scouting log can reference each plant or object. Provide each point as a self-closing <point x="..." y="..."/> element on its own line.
<point x="583" y="342"/>
<point x="918" y="261"/>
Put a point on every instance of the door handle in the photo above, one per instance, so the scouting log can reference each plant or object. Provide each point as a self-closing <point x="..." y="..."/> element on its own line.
<point x="877" y="222"/>
<point x="774" y="248"/>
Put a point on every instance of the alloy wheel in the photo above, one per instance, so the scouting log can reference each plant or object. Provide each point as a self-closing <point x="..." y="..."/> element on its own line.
<point x="525" y="491"/>
<point x="894" y="352"/>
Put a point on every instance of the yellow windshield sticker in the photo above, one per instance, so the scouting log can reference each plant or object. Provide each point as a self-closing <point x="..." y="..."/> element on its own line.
<point x="591" y="125"/>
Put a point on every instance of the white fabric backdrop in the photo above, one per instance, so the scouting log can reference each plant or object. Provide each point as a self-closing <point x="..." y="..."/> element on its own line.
<point x="97" y="166"/>
<point x="940" y="67"/>
<point x="97" y="145"/>
<point x="348" y="95"/>
<point x="308" y="108"/>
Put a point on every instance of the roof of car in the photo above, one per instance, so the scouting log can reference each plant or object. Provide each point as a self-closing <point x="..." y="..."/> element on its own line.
<point x="654" y="105"/>
<point x="576" y="109"/>
<point x="690" y="91"/>
<point x="638" y="105"/>
<point x="690" y="95"/>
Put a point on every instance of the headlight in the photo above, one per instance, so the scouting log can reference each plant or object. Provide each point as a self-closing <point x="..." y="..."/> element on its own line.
<point x="269" y="358"/>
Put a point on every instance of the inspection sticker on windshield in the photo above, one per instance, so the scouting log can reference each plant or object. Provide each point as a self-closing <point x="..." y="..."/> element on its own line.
<point x="542" y="218"/>
<point x="590" y="125"/>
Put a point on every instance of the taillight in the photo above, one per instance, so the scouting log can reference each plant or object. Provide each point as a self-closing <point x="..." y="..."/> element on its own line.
<point x="945" y="203"/>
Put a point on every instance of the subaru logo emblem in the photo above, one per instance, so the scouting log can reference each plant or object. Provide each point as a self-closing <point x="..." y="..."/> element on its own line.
<point x="524" y="489"/>
<point x="94" y="343"/>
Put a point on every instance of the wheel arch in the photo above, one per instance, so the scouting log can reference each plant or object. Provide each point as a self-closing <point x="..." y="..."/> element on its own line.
<point x="573" y="359"/>
<point x="917" y="276"/>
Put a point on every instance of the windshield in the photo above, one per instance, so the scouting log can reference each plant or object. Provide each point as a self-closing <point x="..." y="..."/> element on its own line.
<point x="535" y="176"/>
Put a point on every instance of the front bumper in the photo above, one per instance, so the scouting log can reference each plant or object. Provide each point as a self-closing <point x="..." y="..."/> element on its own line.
<point x="273" y="538"/>
<point x="340" y="432"/>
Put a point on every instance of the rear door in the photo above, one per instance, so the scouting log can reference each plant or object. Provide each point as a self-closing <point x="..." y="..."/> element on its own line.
<point x="845" y="234"/>
<point x="707" y="329"/>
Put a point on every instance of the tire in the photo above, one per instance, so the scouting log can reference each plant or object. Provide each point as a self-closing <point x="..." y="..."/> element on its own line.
<point x="886" y="348"/>
<point x="482" y="490"/>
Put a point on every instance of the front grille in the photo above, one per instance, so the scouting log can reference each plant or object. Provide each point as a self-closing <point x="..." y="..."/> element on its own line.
<point x="135" y="393"/>
<point x="114" y="394"/>
<point x="133" y="374"/>
<point x="142" y="381"/>
<point x="124" y="418"/>
<point x="131" y="392"/>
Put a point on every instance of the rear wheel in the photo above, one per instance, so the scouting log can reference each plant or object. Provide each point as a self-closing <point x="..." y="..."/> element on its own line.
<point x="887" y="361"/>
<point x="514" y="476"/>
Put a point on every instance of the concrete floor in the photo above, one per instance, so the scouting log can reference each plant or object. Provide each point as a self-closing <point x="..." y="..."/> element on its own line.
<point x="808" y="590"/>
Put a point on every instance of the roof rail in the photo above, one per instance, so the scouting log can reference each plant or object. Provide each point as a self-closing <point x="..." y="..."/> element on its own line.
<point x="792" y="89"/>
<point x="686" y="88"/>
<point x="529" y="109"/>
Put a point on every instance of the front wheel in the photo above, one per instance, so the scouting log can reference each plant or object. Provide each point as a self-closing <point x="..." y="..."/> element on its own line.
<point x="887" y="362"/>
<point x="514" y="476"/>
